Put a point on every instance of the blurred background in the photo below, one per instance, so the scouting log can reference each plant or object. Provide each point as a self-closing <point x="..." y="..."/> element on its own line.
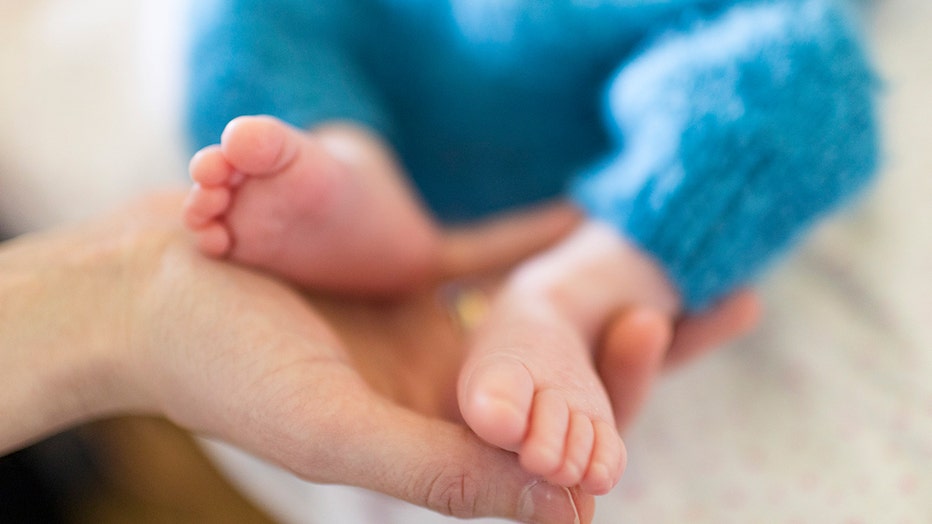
<point x="823" y="415"/>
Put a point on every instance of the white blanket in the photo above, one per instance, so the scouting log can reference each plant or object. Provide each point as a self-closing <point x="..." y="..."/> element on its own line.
<point x="824" y="415"/>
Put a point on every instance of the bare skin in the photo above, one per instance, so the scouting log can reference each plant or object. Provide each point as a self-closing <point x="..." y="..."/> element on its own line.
<point x="323" y="210"/>
<point x="239" y="356"/>
<point x="230" y="353"/>
<point x="529" y="383"/>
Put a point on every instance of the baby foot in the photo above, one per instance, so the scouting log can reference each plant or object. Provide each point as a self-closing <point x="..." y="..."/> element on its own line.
<point x="280" y="199"/>
<point x="529" y="385"/>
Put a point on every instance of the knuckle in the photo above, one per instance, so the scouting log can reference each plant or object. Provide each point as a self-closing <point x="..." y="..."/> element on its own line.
<point x="453" y="492"/>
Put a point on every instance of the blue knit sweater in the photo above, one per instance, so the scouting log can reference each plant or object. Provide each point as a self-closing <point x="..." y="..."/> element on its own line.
<point x="711" y="133"/>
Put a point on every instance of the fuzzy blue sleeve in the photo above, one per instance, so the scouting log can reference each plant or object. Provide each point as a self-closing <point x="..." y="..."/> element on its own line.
<point x="734" y="135"/>
<point x="293" y="59"/>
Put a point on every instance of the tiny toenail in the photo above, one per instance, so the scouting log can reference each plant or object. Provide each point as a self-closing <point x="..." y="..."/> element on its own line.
<point x="602" y="477"/>
<point x="572" y="470"/>
<point x="551" y="456"/>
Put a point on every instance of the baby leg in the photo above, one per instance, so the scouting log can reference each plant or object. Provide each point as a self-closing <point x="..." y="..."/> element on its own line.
<point x="327" y="209"/>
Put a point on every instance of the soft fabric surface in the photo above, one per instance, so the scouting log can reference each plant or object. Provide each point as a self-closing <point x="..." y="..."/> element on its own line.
<point x="824" y="415"/>
<point x="709" y="133"/>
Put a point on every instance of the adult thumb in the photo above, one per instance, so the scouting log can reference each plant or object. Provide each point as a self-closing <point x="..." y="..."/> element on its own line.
<point x="444" y="467"/>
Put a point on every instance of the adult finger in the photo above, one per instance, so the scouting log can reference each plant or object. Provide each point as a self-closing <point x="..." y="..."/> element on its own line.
<point x="630" y="356"/>
<point x="436" y="464"/>
<point x="500" y="242"/>
<point x="636" y="346"/>
<point x="735" y="316"/>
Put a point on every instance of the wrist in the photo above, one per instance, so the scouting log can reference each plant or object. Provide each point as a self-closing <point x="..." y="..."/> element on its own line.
<point x="52" y="358"/>
<point x="65" y="328"/>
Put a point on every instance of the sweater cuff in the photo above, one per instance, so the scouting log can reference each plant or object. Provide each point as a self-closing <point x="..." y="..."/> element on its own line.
<point x="729" y="156"/>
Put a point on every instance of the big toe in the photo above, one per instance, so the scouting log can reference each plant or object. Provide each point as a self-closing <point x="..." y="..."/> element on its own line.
<point x="259" y="145"/>
<point x="495" y="399"/>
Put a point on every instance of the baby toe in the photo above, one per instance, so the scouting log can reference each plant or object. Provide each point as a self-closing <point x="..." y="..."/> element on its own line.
<point x="214" y="240"/>
<point x="544" y="447"/>
<point x="209" y="168"/>
<point x="204" y="204"/>
<point x="607" y="462"/>
<point x="579" y="444"/>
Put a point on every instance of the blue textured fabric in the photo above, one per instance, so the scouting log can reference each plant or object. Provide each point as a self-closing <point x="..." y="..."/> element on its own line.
<point x="710" y="132"/>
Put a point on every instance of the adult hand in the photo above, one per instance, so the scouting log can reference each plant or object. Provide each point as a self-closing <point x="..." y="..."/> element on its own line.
<point x="121" y="315"/>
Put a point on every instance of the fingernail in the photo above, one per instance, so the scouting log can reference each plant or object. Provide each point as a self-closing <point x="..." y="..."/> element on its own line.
<point x="543" y="503"/>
